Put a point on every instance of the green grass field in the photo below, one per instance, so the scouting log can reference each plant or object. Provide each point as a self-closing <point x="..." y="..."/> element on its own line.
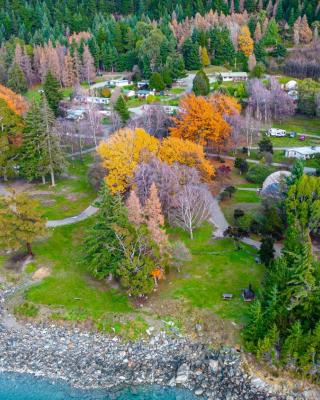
<point x="216" y="268"/>
<point x="177" y="90"/>
<point x="69" y="286"/>
<point x="301" y="124"/>
<point x="294" y="142"/>
<point x="248" y="185"/>
<point x="33" y="93"/>
<point x="71" y="195"/>
<point x="246" y="196"/>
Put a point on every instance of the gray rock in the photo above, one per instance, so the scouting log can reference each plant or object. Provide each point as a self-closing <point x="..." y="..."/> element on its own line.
<point x="183" y="374"/>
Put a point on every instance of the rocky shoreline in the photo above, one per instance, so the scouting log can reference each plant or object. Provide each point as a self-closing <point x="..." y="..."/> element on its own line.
<point x="93" y="360"/>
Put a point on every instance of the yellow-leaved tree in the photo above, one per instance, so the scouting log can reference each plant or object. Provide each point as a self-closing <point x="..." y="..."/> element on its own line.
<point x="122" y="153"/>
<point x="187" y="153"/>
<point x="205" y="60"/>
<point x="199" y="122"/>
<point x="245" y="41"/>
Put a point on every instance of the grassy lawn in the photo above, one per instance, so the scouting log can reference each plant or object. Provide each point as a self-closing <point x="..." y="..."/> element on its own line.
<point x="177" y="90"/>
<point x="216" y="268"/>
<point x="285" y="79"/>
<point x="135" y="102"/>
<point x="278" y="157"/>
<point x="246" y="196"/>
<point x="248" y="186"/>
<point x="68" y="286"/>
<point x="214" y="69"/>
<point x="294" y="142"/>
<point x="301" y="124"/>
<point x="33" y="93"/>
<point x="71" y="195"/>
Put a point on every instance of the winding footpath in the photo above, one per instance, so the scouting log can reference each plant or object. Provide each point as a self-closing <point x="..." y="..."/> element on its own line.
<point x="217" y="219"/>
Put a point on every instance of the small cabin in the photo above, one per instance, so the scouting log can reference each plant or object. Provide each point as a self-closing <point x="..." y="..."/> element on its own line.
<point x="248" y="294"/>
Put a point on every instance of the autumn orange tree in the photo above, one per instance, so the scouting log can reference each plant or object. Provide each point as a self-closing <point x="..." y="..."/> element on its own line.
<point x="122" y="153"/>
<point x="185" y="152"/>
<point x="224" y="104"/>
<point x="199" y="122"/>
<point x="14" y="101"/>
<point x="245" y="41"/>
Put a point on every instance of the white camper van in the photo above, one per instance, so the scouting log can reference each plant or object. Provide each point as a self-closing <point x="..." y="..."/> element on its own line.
<point x="275" y="132"/>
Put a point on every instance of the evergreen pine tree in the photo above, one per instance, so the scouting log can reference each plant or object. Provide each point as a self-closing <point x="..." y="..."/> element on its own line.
<point x="201" y="85"/>
<point x="17" y="80"/>
<point x="41" y="151"/>
<point x="279" y="13"/>
<point x="52" y="92"/>
<point x="266" y="251"/>
<point x="102" y="253"/>
<point x="190" y="53"/>
<point x="156" y="82"/>
<point x="122" y="109"/>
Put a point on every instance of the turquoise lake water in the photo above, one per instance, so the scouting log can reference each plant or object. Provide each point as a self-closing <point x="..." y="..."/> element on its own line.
<point x="27" y="387"/>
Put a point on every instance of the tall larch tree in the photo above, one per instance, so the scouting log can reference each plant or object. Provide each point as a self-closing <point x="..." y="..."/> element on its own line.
<point x="205" y="60"/>
<point x="88" y="67"/>
<point x="245" y="41"/>
<point x="53" y="154"/>
<point x="155" y="218"/>
<point x="135" y="213"/>
<point x="69" y="77"/>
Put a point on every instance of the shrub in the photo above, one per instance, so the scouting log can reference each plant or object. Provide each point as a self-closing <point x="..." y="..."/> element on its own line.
<point x="26" y="309"/>
<point x="151" y="99"/>
<point x="105" y="92"/>
<point x="241" y="164"/>
<point x="258" y="173"/>
<point x="238" y="213"/>
<point x="245" y="222"/>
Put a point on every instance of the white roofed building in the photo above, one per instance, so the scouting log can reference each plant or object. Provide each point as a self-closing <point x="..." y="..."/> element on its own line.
<point x="303" y="153"/>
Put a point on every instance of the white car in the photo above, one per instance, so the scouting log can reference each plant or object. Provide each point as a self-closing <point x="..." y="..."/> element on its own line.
<point x="275" y="132"/>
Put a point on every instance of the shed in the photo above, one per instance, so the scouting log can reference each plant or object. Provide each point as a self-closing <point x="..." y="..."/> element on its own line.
<point x="248" y="294"/>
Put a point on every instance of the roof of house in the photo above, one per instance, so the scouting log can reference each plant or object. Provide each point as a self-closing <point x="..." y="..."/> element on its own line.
<point x="143" y="91"/>
<point x="305" y="150"/>
<point x="234" y="74"/>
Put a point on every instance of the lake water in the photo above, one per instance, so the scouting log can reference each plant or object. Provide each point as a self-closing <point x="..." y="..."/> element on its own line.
<point x="28" y="387"/>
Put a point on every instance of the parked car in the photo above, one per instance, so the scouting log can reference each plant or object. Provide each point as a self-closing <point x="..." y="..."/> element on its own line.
<point x="292" y="134"/>
<point x="302" y="138"/>
<point x="275" y="132"/>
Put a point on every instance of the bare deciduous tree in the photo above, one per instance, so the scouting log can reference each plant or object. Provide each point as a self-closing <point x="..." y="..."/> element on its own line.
<point x="154" y="120"/>
<point x="95" y="121"/>
<point x="169" y="179"/>
<point x="193" y="208"/>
